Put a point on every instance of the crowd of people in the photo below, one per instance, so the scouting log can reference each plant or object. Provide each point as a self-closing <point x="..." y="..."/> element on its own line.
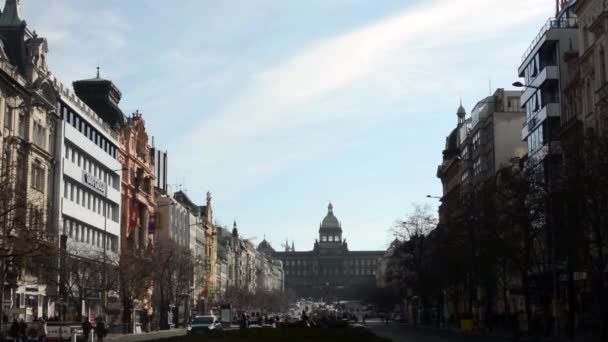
<point x="20" y="331"/>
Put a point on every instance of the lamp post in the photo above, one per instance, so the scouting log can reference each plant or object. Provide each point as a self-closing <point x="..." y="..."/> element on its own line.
<point x="551" y="223"/>
<point x="521" y="85"/>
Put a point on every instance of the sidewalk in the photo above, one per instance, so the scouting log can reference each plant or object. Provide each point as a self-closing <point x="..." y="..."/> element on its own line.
<point x="154" y="335"/>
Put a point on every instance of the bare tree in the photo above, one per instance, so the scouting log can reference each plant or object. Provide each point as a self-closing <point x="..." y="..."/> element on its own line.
<point x="134" y="274"/>
<point x="25" y="232"/>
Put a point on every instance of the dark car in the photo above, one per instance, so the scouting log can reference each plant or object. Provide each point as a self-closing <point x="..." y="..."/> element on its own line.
<point x="204" y="325"/>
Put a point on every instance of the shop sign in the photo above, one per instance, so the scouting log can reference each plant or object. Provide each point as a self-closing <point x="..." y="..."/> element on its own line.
<point x="93" y="182"/>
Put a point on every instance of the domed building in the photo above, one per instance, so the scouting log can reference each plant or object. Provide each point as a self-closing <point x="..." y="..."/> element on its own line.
<point x="330" y="270"/>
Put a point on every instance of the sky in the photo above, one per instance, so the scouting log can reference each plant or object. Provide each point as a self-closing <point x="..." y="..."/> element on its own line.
<point x="279" y="107"/>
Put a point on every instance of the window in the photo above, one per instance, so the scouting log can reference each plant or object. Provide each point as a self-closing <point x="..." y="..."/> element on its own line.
<point x="21" y="126"/>
<point x="464" y="155"/>
<point x="323" y="238"/>
<point x="65" y="190"/>
<point x="465" y="176"/>
<point x="39" y="134"/>
<point x="476" y="139"/>
<point x="37" y="176"/>
<point x="513" y="104"/>
<point x="8" y="118"/>
<point x="477" y="166"/>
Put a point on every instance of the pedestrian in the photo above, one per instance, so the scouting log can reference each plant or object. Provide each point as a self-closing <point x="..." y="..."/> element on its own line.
<point x="15" y="331"/>
<point x="22" y="330"/>
<point x="100" y="329"/>
<point x="42" y="330"/>
<point x="86" y="329"/>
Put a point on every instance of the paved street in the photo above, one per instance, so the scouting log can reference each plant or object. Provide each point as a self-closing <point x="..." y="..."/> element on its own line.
<point x="405" y="333"/>
<point x="146" y="336"/>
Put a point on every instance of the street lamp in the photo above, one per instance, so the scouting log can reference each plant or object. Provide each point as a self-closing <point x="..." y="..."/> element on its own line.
<point x="521" y="85"/>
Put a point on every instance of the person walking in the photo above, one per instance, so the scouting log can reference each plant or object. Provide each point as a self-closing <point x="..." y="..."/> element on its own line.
<point x="42" y="330"/>
<point x="100" y="329"/>
<point x="15" y="331"/>
<point x="86" y="329"/>
<point x="22" y="330"/>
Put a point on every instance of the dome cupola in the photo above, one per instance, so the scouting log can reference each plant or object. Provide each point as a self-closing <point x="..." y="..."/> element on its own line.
<point x="330" y="231"/>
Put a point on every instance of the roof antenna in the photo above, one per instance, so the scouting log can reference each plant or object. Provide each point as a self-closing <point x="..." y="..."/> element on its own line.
<point x="97" y="70"/>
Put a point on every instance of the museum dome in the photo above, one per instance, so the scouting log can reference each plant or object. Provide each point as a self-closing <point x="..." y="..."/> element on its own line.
<point x="330" y="221"/>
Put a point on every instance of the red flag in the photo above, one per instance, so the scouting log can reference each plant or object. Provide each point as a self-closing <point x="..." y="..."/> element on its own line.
<point x="133" y="217"/>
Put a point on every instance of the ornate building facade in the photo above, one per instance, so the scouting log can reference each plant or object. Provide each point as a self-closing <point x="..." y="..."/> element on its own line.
<point x="330" y="269"/>
<point x="28" y="142"/>
<point x="138" y="200"/>
<point x="210" y="252"/>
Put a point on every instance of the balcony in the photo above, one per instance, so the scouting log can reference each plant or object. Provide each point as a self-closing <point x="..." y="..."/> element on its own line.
<point x="550" y="72"/>
<point x="548" y="110"/>
<point x="551" y="24"/>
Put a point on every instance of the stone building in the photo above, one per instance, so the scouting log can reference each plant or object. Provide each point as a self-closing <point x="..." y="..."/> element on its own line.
<point x="270" y="274"/>
<point x="450" y="174"/>
<point x="138" y="200"/>
<point x="593" y="64"/>
<point x="30" y="151"/>
<point x="210" y="252"/>
<point x="330" y="269"/>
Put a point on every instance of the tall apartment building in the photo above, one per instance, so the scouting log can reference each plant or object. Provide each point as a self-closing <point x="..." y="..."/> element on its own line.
<point x="545" y="72"/>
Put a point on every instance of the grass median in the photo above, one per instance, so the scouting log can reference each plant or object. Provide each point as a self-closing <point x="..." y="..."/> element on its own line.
<point x="287" y="334"/>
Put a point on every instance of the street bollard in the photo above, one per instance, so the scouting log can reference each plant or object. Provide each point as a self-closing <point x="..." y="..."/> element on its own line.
<point x="75" y="334"/>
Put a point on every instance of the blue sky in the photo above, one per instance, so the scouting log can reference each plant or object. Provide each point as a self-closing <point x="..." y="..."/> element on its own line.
<point x="278" y="107"/>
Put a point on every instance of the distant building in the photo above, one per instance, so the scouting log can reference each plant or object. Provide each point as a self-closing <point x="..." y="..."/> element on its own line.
<point x="490" y="138"/>
<point x="329" y="270"/>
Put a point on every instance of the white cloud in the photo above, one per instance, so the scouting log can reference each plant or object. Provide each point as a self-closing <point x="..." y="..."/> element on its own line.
<point x="84" y="36"/>
<point x="289" y="99"/>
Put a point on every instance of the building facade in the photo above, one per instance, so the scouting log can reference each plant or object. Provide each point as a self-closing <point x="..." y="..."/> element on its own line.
<point x="330" y="269"/>
<point x="490" y="138"/>
<point x="545" y="72"/>
<point x="138" y="199"/>
<point x="210" y="251"/>
<point x="30" y="174"/>
<point x="593" y="64"/>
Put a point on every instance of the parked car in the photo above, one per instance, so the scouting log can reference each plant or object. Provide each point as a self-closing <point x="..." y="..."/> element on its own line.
<point x="204" y="324"/>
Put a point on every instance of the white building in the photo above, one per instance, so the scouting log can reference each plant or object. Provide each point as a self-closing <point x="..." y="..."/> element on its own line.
<point x="89" y="188"/>
<point x="545" y="74"/>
